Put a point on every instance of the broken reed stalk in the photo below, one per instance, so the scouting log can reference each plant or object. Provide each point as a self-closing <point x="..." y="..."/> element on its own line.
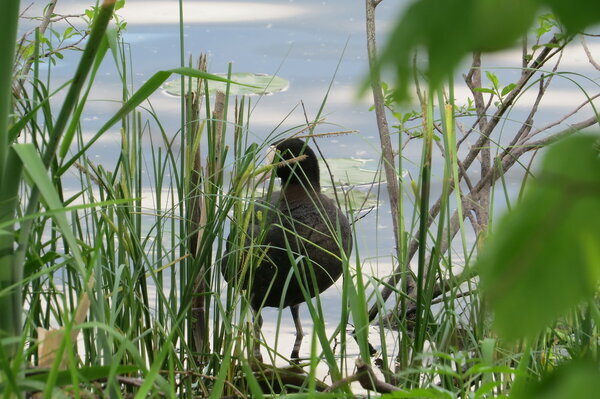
<point x="197" y="219"/>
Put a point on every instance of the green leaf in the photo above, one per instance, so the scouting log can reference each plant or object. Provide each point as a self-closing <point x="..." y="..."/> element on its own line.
<point x="539" y="262"/>
<point x="575" y="15"/>
<point x="451" y="29"/>
<point x="493" y="78"/>
<point x="75" y="118"/>
<point x="430" y="393"/>
<point x="256" y="83"/>
<point x="8" y="31"/>
<point x="38" y="175"/>
<point x="578" y="379"/>
<point x="67" y="33"/>
<point x="83" y="68"/>
<point x="484" y="90"/>
<point x="507" y="89"/>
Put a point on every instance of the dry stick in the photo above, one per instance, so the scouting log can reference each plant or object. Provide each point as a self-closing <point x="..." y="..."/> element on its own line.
<point x="473" y="81"/>
<point x="542" y="58"/>
<point x="589" y="54"/>
<point x="484" y="196"/>
<point x="387" y="290"/>
<point x="528" y="124"/>
<point x="367" y="379"/>
<point x="58" y="18"/>
<point x="524" y="132"/>
<point x="197" y="217"/>
<point x="386" y="144"/>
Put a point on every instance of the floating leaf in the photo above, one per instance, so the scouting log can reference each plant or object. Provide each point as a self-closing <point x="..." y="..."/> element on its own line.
<point x="264" y="84"/>
<point x="348" y="175"/>
<point x="348" y="171"/>
<point x="354" y="198"/>
<point x="542" y="258"/>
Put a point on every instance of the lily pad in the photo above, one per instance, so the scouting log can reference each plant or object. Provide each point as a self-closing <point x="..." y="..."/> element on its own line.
<point x="357" y="200"/>
<point x="352" y="182"/>
<point x="348" y="171"/>
<point x="350" y="198"/>
<point x="264" y="84"/>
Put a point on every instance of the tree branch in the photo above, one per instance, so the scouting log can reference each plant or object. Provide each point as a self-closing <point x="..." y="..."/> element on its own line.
<point x="384" y="137"/>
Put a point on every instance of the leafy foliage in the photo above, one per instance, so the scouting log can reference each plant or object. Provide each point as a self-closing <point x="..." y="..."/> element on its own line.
<point x="451" y="29"/>
<point x="576" y="380"/>
<point x="544" y="256"/>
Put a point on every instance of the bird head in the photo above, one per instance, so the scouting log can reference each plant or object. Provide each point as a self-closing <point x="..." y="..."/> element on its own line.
<point x="296" y="162"/>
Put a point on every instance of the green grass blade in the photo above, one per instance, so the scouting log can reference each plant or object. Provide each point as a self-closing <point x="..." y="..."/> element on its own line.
<point x="83" y="69"/>
<point x="9" y="11"/>
<point x="140" y="96"/>
<point x="37" y="172"/>
<point x="70" y="133"/>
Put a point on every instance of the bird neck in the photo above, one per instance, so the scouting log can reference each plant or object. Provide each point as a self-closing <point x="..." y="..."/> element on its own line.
<point x="293" y="190"/>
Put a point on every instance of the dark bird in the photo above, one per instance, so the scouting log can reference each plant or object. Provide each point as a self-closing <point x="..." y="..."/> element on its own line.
<point x="298" y="235"/>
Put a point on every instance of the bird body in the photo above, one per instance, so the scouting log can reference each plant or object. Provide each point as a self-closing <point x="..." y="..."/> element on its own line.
<point x="301" y="238"/>
<point x="307" y="228"/>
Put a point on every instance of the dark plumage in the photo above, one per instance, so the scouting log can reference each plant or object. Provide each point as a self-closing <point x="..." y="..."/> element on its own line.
<point x="298" y="219"/>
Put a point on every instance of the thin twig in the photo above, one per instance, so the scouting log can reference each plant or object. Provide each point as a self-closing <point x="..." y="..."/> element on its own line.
<point x="563" y="118"/>
<point x="42" y="29"/>
<point x="509" y="158"/>
<point x="589" y="54"/>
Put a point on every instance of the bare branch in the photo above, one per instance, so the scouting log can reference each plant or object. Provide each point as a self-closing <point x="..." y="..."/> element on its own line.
<point x="473" y="81"/>
<point x="509" y="158"/>
<point x="384" y="134"/>
<point x="17" y="86"/>
<point x="589" y="54"/>
<point x="564" y="118"/>
<point x="557" y="136"/>
<point x="58" y="50"/>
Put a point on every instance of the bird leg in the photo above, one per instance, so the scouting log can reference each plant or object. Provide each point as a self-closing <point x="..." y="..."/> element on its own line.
<point x="299" y="332"/>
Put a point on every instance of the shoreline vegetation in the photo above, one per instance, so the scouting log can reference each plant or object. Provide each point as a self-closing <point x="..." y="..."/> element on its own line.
<point x="109" y="277"/>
